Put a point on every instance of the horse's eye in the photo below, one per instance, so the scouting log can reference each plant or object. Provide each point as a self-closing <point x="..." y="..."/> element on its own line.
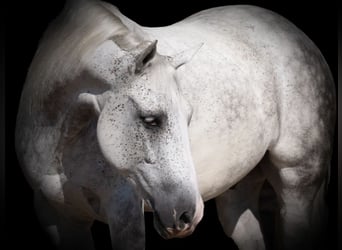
<point x="151" y="121"/>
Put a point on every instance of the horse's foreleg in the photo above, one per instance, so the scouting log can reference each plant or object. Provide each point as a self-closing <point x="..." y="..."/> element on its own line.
<point x="238" y="212"/>
<point x="302" y="215"/>
<point x="125" y="217"/>
<point x="66" y="232"/>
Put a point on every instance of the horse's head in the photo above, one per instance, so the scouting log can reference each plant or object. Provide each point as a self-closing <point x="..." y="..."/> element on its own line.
<point x="142" y="131"/>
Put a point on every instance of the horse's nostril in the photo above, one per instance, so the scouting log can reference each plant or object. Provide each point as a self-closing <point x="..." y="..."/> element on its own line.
<point x="185" y="218"/>
<point x="148" y="160"/>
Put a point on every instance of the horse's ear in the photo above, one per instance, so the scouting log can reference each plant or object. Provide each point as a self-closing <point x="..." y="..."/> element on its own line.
<point x="143" y="53"/>
<point x="184" y="56"/>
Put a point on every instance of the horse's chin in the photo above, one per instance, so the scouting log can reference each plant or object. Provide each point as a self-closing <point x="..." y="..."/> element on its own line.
<point x="168" y="232"/>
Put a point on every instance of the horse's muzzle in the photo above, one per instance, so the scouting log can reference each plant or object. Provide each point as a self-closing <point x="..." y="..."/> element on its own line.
<point x="184" y="224"/>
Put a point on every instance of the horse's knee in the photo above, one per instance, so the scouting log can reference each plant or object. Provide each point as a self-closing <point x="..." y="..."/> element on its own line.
<point x="238" y="212"/>
<point x="229" y="211"/>
<point x="241" y="224"/>
<point x="65" y="231"/>
<point x="45" y="212"/>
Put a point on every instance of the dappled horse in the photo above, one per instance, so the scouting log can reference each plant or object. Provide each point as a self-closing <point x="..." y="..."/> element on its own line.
<point x="116" y="119"/>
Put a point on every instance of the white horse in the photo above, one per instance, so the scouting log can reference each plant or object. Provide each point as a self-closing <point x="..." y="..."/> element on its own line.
<point x="112" y="123"/>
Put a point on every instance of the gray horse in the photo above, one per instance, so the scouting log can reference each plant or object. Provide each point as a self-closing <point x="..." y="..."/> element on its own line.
<point x="116" y="119"/>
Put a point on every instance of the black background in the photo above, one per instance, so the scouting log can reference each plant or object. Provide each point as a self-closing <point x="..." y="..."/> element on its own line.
<point x="25" y="23"/>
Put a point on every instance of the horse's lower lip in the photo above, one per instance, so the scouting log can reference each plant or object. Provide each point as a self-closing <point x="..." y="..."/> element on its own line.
<point x="169" y="233"/>
<point x="174" y="233"/>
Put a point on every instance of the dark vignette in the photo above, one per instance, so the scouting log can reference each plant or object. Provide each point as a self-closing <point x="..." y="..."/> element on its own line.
<point x="22" y="36"/>
<point x="339" y="108"/>
<point x="2" y="125"/>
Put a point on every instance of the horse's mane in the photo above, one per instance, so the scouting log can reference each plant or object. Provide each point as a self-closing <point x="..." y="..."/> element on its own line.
<point x="70" y="38"/>
<point x="62" y="53"/>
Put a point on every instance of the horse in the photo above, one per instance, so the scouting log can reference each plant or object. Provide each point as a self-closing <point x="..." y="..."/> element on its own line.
<point x="116" y="119"/>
